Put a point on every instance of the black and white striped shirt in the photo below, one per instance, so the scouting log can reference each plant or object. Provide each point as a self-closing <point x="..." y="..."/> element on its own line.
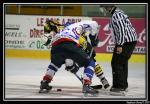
<point x="122" y="28"/>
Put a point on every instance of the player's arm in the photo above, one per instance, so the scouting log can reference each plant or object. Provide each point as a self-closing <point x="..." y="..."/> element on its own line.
<point x="49" y="31"/>
<point x="83" y="42"/>
<point x="93" y="35"/>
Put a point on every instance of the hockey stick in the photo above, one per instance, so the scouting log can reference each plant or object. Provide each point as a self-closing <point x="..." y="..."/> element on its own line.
<point x="95" y="39"/>
<point x="80" y="78"/>
<point x="95" y="86"/>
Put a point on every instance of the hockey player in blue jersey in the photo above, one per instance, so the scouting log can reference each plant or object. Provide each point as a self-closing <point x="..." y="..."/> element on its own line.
<point x="52" y="26"/>
<point x="68" y="41"/>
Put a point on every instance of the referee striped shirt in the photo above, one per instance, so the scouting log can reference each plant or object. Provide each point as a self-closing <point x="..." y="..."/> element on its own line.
<point x="122" y="28"/>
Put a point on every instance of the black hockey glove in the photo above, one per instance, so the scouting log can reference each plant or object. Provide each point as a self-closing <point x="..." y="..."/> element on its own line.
<point x="94" y="42"/>
<point x="73" y="69"/>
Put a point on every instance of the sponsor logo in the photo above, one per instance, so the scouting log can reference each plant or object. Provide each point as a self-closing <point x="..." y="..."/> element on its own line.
<point x="14" y="34"/>
<point x="14" y="44"/>
<point x="36" y="44"/>
<point x="36" y="33"/>
<point x="12" y="26"/>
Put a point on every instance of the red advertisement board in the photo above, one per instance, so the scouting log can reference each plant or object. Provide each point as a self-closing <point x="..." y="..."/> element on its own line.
<point x="106" y="43"/>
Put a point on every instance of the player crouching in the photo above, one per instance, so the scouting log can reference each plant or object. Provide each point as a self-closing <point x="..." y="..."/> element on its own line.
<point x="67" y="41"/>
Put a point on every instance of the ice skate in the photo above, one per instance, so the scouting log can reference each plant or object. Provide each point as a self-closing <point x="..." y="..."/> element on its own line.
<point x="44" y="87"/>
<point x="88" y="90"/>
<point x="118" y="91"/>
<point x="105" y="83"/>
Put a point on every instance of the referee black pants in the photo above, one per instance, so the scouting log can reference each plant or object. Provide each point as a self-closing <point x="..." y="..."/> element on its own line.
<point x="119" y="65"/>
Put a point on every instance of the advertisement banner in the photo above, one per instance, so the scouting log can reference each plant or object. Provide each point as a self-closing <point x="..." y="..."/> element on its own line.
<point x="106" y="44"/>
<point x="25" y="31"/>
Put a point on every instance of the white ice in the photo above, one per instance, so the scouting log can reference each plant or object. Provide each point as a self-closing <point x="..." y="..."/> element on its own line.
<point x="23" y="76"/>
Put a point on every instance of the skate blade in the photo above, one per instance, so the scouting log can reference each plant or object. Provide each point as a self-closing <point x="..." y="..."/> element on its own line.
<point x="43" y="91"/>
<point x="121" y="93"/>
<point x="90" y="94"/>
<point x="97" y="87"/>
<point x="87" y="94"/>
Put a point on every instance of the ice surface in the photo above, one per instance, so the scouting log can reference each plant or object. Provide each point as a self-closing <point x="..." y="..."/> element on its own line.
<point x="23" y="76"/>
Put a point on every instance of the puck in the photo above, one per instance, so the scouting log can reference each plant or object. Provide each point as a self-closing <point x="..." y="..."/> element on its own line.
<point x="59" y="89"/>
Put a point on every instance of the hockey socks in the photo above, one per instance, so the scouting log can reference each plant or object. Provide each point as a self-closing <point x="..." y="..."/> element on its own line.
<point x="88" y="73"/>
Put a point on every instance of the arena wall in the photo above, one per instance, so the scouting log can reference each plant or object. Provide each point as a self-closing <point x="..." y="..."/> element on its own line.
<point x="23" y="37"/>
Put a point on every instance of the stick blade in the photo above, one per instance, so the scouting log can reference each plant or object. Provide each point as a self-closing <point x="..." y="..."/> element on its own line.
<point x="97" y="86"/>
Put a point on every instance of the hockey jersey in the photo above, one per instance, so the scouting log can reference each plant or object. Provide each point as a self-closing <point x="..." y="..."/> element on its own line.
<point x="75" y="32"/>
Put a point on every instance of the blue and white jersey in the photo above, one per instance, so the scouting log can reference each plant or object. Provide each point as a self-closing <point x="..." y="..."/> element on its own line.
<point x="74" y="31"/>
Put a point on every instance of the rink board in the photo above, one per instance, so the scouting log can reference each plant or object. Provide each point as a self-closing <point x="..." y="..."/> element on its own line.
<point x="105" y="57"/>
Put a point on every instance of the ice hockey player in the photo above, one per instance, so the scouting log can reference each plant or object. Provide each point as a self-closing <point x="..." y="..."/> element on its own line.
<point x="65" y="45"/>
<point x="70" y="64"/>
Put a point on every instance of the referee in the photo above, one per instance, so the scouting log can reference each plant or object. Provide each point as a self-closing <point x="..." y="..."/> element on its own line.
<point x="125" y="39"/>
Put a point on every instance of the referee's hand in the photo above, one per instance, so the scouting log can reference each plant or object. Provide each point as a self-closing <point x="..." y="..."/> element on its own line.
<point x="119" y="50"/>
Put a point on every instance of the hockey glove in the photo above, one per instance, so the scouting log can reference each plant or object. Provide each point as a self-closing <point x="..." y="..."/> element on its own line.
<point x="94" y="42"/>
<point x="73" y="69"/>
